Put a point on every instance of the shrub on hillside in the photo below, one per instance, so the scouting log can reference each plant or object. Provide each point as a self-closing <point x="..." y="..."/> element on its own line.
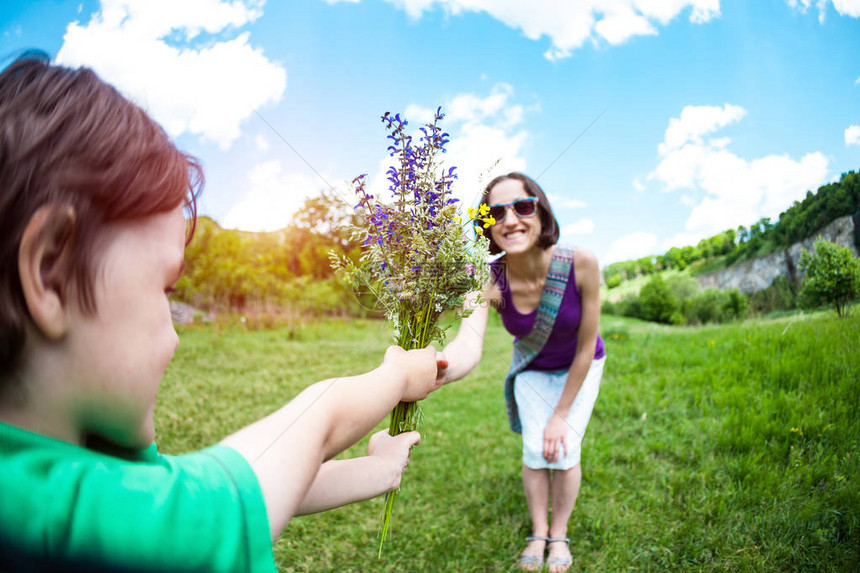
<point x="706" y="307"/>
<point x="832" y="276"/>
<point x="683" y="286"/>
<point x="613" y="281"/>
<point x="609" y="307"/>
<point x="719" y="306"/>
<point x="738" y="305"/>
<point x="659" y="303"/>
<point x="780" y="295"/>
<point x="630" y="306"/>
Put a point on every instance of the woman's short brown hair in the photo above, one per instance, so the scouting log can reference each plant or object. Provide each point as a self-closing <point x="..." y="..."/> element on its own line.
<point x="549" y="230"/>
<point x="70" y="141"/>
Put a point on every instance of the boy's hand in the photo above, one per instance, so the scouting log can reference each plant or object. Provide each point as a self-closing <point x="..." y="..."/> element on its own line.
<point x="423" y="370"/>
<point x="394" y="452"/>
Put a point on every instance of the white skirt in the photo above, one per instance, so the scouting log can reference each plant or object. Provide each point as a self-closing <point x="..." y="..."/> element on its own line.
<point x="537" y="394"/>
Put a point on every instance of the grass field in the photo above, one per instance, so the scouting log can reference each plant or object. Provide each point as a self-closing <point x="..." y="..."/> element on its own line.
<point x="719" y="448"/>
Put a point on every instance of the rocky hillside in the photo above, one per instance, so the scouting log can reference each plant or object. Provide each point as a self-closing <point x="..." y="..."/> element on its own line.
<point x="756" y="274"/>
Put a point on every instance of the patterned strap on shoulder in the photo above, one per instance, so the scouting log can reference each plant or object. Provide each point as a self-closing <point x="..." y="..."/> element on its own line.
<point x="528" y="347"/>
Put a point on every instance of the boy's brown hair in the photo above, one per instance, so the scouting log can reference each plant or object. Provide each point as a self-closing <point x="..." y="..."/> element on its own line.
<point x="71" y="143"/>
<point x="549" y="224"/>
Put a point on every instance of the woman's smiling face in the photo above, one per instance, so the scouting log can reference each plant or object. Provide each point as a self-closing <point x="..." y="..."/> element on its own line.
<point x="513" y="234"/>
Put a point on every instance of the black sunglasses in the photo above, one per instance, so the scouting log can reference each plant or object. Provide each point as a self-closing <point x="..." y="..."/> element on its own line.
<point x="522" y="207"/>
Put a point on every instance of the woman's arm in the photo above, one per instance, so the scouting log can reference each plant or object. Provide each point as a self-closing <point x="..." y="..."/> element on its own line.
<point x="588" y="275"/>
<point x="464" y="352"/>
<point x="340" y="482"/>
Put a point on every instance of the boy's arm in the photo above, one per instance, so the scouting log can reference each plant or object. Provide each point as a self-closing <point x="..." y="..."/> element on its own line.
<point x="286" y="448"/>
<point x="340" y="482"/>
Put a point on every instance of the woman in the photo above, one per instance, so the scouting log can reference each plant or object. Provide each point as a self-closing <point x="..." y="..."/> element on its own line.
<point x="558" y="354"/>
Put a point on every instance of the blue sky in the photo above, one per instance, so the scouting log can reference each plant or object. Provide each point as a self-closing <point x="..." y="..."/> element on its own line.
<point x="709" y="113"/>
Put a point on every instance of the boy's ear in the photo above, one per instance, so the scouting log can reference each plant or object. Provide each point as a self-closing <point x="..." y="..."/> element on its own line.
<point x="43" y="264"/>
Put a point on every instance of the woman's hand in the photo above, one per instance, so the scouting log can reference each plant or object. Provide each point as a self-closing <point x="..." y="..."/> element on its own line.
<point x="441" y="369"/>
<point x="555" y="438"/>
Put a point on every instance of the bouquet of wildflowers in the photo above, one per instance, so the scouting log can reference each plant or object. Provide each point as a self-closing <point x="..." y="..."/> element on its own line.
<point x="418" y="258"/>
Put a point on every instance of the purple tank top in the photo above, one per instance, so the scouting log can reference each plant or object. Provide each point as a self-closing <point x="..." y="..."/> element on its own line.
<point x="560" y="347"/>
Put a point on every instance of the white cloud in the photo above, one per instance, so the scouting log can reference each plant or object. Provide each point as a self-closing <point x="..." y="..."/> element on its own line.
<point x="262" y="143"/>
<point x="697" y="121"/>
<point x="619" y="25"/>
<point x="562" y="202"/>
<point x="207" y="90"/>
<point x="469" y="108"/>
<point x="678" y="169"/>
<point x="632" y="246"/>
<point x="737" y="191"/>
<point x="801" y="5"/>
<point x="581" y="227"/>
<point x="486" y="140"/>
<point x="482" y="152"/>
<point x="568" y="25"/>
<point x="417" y="115"/>
<point x="638" y="185"/>
<point x="849" y="8"/>
<point x="272" y="198"/>
<point x="852" y="135"/>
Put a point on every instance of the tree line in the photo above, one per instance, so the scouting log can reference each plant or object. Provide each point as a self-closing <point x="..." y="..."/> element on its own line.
<point x="799" y="221"/>
<point x="832" y="279"/>
<point x="833" y="273"/>
<point x="288" y="272"/>
<point x="281" y="272"/>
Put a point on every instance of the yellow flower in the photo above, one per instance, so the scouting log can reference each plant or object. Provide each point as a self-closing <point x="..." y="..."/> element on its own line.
<point x="478" y="230"/>
<point x="473" y="213"/>
<point x="458" y="220"/>
<point x="489" y="222"/>
<point x="484" y="209"/>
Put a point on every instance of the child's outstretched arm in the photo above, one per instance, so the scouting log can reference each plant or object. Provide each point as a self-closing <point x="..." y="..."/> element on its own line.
<point x="340" y="482"/>
<point x="286" y="448"/>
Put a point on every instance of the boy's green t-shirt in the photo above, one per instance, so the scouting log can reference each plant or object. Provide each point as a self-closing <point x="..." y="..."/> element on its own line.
<point x="63" y="506"/>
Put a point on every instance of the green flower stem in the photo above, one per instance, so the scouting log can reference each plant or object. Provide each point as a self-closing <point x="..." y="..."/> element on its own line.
<point x="407" y="416"/>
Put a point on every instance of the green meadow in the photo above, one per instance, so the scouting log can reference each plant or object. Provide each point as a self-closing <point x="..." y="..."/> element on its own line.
<point x="717" y="448"/>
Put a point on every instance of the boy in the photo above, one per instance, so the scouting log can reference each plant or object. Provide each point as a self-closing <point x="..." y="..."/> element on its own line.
<point x="92" y="236"/>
